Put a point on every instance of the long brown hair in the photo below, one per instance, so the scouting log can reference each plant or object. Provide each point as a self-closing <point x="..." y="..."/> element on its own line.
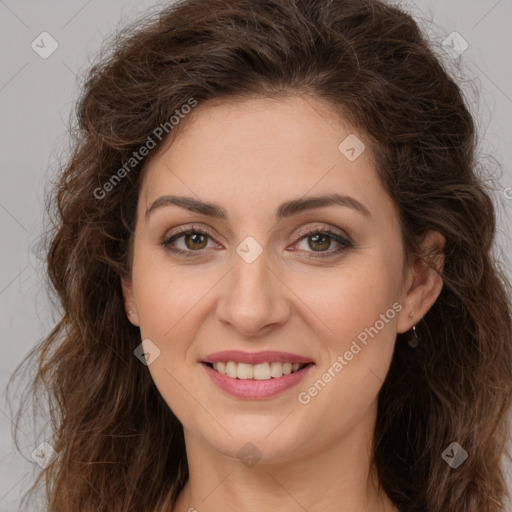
<point x="120" y="446"/>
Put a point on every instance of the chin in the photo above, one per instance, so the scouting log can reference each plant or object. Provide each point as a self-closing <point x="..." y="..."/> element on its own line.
<point x="266" y="440"/>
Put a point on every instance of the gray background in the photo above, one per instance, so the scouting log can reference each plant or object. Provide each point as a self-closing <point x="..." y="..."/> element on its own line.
<point x="37" y="96"/>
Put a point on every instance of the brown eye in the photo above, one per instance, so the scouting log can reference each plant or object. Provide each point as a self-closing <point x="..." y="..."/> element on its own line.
<point x="320" y="242"/>
<point x="195" y="241"/>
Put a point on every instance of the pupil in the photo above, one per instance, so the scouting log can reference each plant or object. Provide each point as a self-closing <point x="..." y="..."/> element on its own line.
<point x="324" y="237"/>
<point x="194" y="240"/>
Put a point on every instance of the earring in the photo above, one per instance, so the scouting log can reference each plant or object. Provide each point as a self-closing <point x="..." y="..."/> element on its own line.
<point x="413" y="342"/>
<point x="129" y="313"/>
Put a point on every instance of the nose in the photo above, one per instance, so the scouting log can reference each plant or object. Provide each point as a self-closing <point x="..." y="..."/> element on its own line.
<point x="255" y="299"/>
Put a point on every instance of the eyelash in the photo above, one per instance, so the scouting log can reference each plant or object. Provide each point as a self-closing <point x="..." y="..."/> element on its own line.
<point x="344" y="242"/>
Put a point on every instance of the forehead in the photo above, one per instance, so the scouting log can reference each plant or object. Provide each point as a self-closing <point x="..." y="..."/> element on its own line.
<point x="258" y="152"/>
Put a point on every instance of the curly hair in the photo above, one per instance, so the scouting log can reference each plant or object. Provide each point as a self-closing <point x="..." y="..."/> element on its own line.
<point x="120" y="446"/>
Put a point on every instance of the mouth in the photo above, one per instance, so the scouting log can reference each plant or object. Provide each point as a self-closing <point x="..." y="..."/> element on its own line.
<point x="255" y="375"/>
<point x="262" y="371"/>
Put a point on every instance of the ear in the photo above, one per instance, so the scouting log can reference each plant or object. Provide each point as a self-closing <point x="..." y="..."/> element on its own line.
<point x="129" y="300"/>
<point x="422" y="285"/>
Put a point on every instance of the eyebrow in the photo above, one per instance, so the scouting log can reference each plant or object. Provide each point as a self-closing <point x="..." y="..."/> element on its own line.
<point x="286" y="209"/>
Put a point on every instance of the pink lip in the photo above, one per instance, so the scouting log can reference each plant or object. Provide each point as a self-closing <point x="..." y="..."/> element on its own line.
<point x="251" y="389"/>
<point x="266" y="356"/>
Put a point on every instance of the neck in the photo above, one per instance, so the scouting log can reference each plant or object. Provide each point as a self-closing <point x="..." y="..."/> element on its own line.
<point x="333" y="478"/>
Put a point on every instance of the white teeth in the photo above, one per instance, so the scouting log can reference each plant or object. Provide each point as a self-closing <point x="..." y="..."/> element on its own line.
<point x="245" y="371"/>
<point x="262" y="371"/>
<point x="276" y="369"/>
<point x="231" y="369"/>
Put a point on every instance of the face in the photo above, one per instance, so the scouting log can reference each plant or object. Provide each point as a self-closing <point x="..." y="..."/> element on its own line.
<point x="268" y="270"/>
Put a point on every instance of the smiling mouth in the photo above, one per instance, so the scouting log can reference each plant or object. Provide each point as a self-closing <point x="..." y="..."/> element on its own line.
<point x="262" y="371"/>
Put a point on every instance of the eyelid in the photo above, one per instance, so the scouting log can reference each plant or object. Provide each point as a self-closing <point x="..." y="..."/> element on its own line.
<point x="330" y="231"/>
<point x="303" y="231"/>
<point x="321" y="228"/>
<point x="184" y="230"/>
<point x="187" y="228"/>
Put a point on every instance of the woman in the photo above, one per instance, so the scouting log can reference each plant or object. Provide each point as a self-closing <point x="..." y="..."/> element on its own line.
<point x="274" y="260"/>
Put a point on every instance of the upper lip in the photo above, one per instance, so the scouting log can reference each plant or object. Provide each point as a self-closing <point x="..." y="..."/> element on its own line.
<point x="266" y="356"/>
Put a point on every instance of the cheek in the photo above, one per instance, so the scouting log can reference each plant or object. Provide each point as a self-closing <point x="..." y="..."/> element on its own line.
<point x="359" y="307"/>
<point x="167" y="295"/>
<point x="169" y="305"/>
<point x="357" y="357"/>
<point x="349" y="300"/>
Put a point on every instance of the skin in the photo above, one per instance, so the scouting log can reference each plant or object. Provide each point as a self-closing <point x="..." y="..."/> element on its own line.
<point x="249" y="156"/>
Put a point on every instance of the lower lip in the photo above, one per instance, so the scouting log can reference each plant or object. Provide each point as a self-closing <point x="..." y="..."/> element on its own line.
<point x="256" y="389"/>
